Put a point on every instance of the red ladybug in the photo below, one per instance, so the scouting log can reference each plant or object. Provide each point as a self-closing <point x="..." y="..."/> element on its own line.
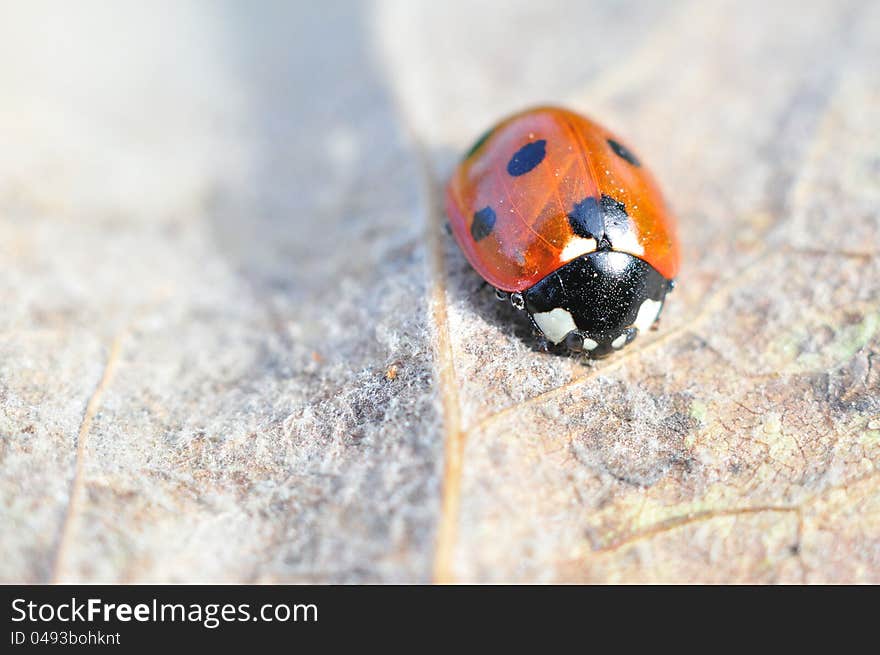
<point x="562" y="218"/>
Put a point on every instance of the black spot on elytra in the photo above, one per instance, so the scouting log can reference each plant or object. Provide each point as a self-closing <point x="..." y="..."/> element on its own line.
<point x="623" y="152"/>
<point x="484" y="221"/>
<point x="599" y="220"/>
<point x="615" y="216"/>
<point x="479" y="142"/>
<point x="527" y="157"/>
<point x="586" y="219"/>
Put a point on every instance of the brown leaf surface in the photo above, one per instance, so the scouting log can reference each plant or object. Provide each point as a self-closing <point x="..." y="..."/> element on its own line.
<point x="238" y="345"/>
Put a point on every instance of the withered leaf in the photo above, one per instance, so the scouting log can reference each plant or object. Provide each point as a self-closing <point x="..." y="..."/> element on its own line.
<point x="238" y="345"/>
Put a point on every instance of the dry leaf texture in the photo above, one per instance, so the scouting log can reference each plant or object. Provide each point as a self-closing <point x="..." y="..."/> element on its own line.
<point x="238" y="345"/>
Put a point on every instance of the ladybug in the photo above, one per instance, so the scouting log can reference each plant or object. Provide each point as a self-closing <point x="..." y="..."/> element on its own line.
<point x="564" y="220"/>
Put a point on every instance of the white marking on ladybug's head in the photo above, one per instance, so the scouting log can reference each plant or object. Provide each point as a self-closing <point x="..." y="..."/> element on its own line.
<point x="576" y="247"/>
<point x="619" y="342"/>
<point x="648" y="313"/>
<point x="555" y="324"/>
<point x="589" y="344"/>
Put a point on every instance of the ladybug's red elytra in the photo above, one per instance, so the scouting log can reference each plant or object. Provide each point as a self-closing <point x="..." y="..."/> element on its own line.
<point x="562" y="218"/>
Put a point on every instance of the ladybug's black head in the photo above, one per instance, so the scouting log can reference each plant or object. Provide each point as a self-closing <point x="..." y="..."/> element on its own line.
<point x="598" y="302"/>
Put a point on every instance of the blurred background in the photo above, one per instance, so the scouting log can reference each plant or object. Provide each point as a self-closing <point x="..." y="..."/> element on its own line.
<point x="236" y="344"/>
